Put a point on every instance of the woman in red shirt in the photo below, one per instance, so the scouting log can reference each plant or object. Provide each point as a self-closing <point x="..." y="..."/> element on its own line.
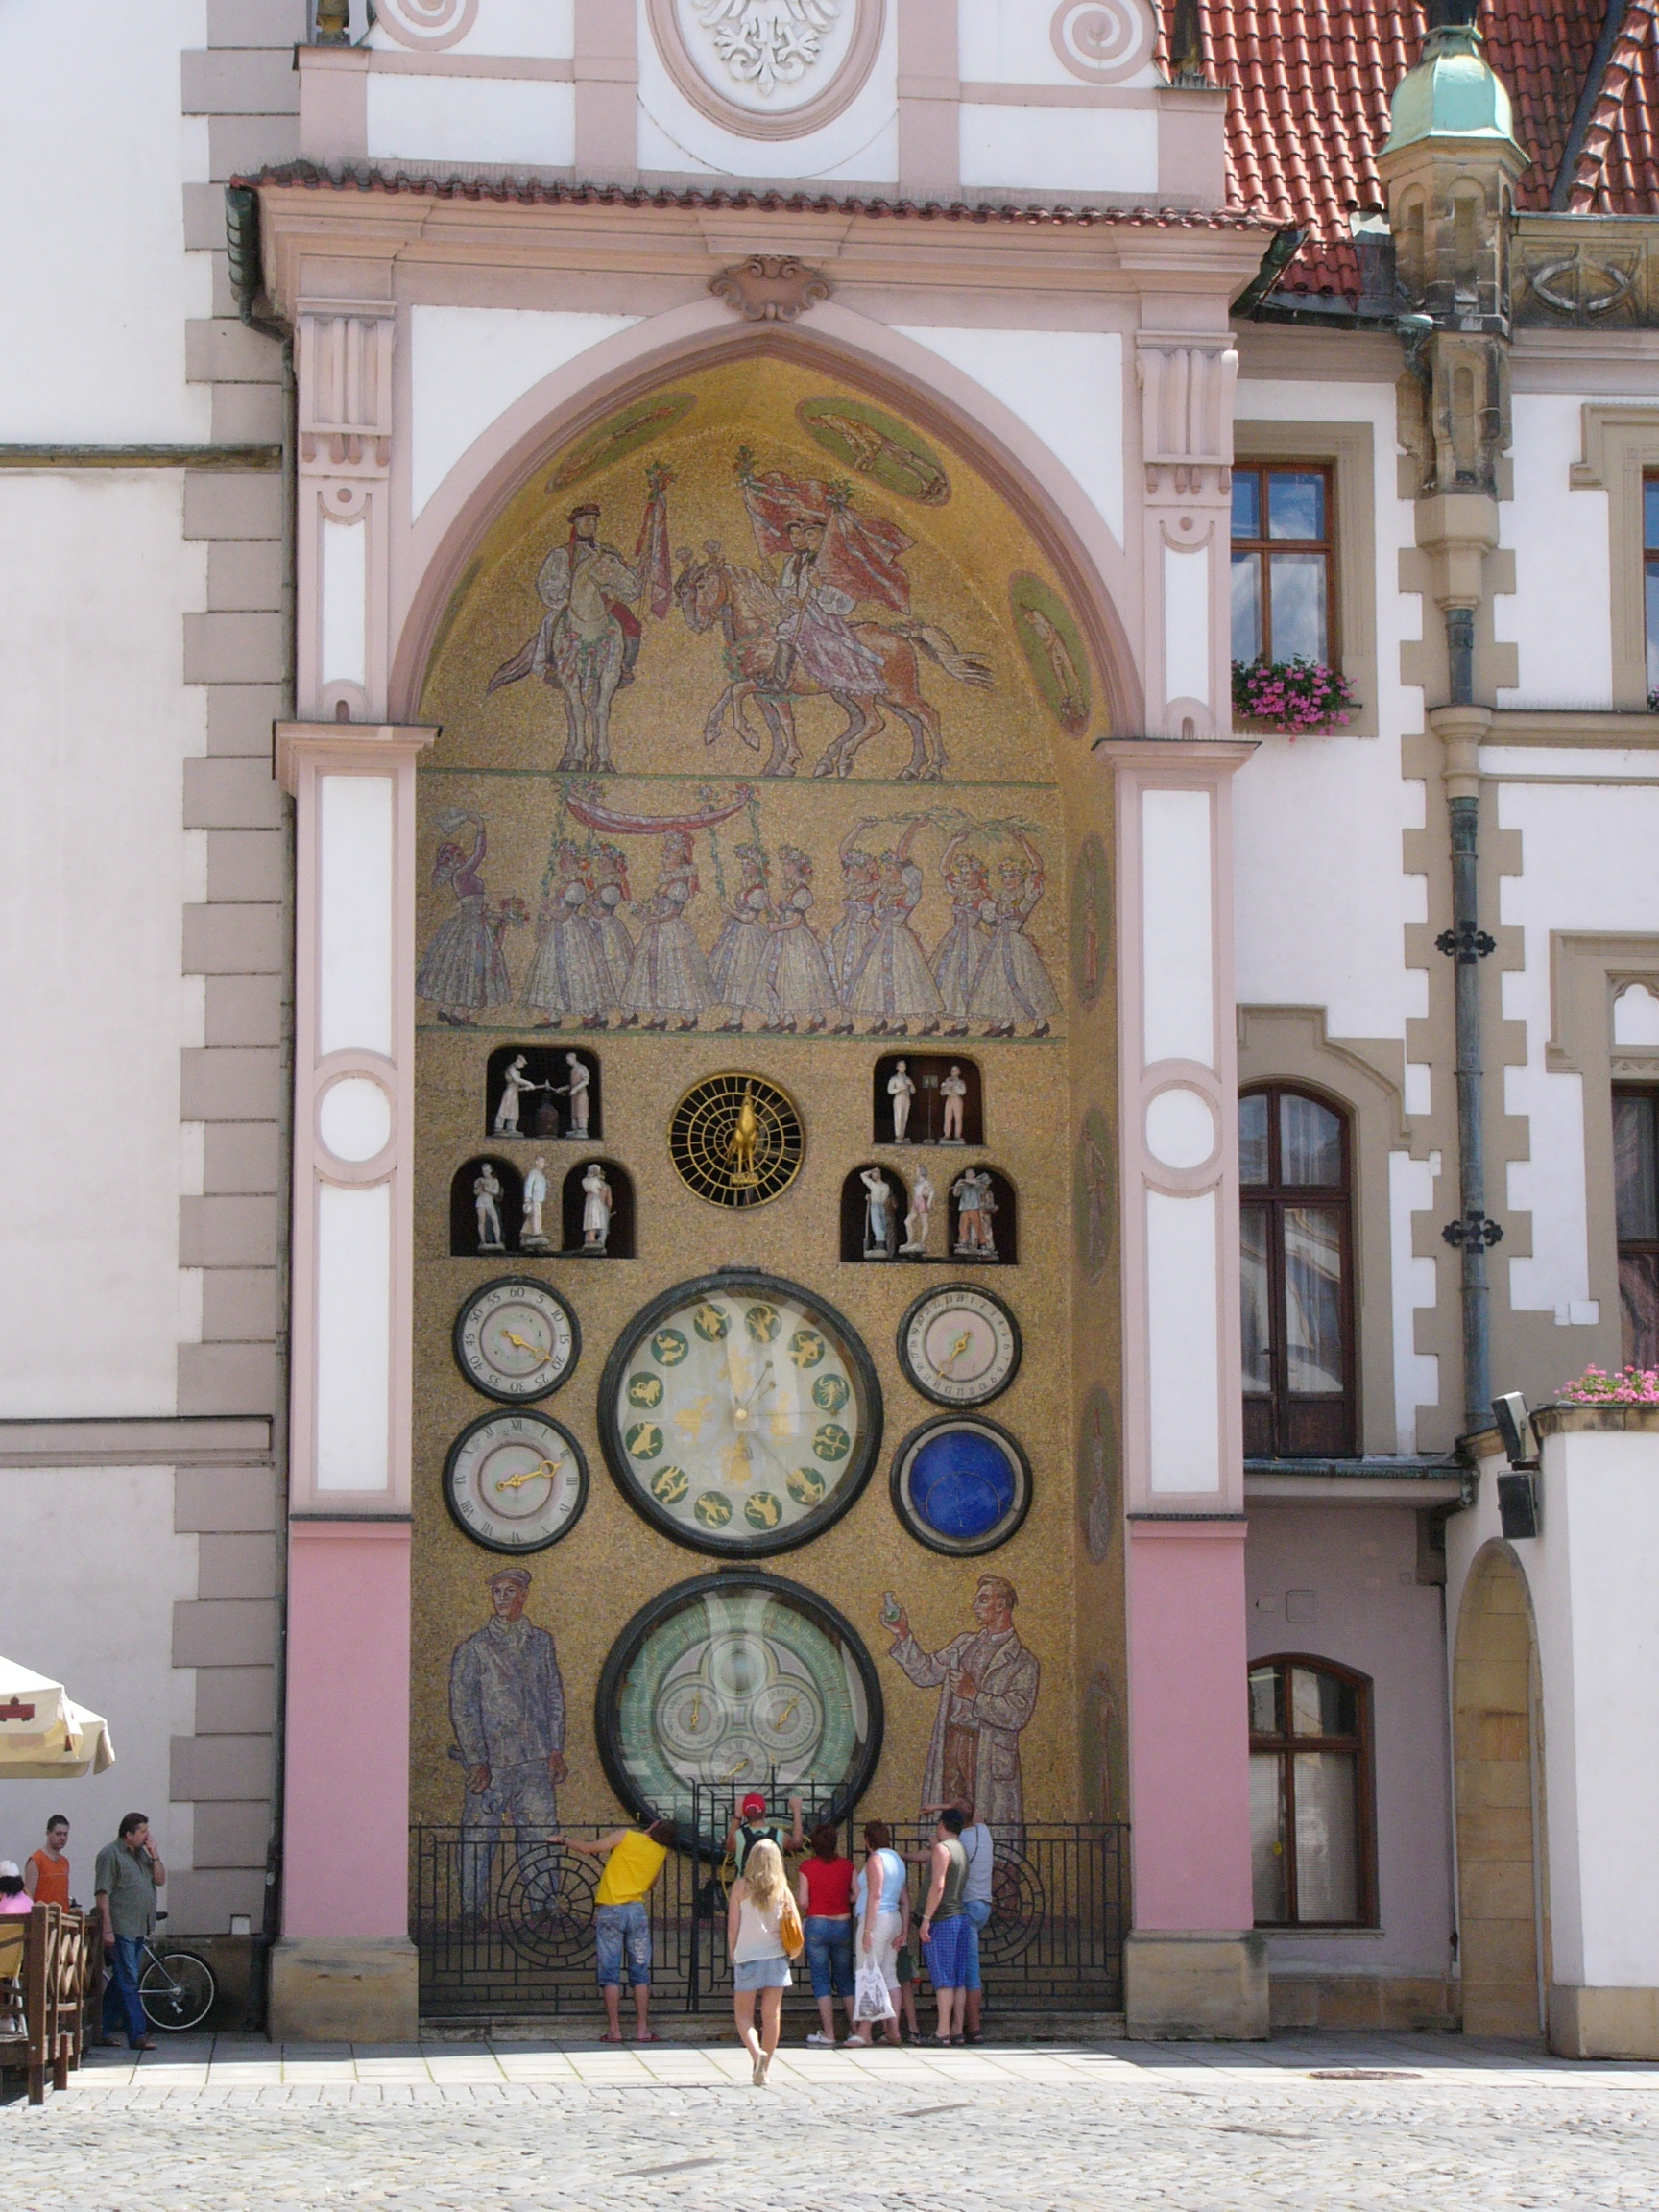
<point x="824" y="1893"/>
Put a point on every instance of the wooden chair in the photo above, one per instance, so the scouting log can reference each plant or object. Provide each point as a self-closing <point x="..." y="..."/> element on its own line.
<point x="47" y="1949"/>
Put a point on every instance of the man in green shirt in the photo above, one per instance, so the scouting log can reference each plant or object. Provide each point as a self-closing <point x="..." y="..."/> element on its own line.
<point x="130" y="1872"/>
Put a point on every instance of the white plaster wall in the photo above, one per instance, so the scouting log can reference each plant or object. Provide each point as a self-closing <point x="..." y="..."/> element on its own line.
<point x="1559" y="615"/>
<point x="1008" y="42"/>
<point x="1322" y="901"/>
<point x="860" y="145"/>
<point x="1066" y="385"/>
<point x="541" y="29"/>
<point x="94" y="157"/>
<point x="1587" y="855"/>
<point x="1412" y="1286"/>
<point x="1058" y="149"/>
<point x="471" y="119"/>
<point x="1370" y="1613"/>
<point x="95" y="722"/>
<point x="467" y="366"/>
<point x="95" y="1611"/>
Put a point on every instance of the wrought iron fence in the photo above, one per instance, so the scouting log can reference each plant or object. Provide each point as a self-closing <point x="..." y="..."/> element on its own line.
<point x="505" y="1929"/>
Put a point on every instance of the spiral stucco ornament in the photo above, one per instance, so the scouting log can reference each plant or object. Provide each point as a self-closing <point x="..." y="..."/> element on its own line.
<point x="1103" y="42"/>
<point x="426" y="25"/>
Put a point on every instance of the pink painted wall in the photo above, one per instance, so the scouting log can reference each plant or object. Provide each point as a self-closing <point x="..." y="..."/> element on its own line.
<point x="345" y="1848"/>
<point x="1359" y="1565"/>
<point x="1188" y="1738"/>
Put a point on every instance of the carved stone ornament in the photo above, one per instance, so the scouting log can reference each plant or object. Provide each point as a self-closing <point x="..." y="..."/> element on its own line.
<point x="1103" y="42"/>
<point x="768" y="68"/>
<point x="428" y="25"/>
<point x="770" y="287"/>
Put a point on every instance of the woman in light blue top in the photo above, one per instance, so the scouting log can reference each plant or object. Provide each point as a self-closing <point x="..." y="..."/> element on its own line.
<point x="881" y="1915"/>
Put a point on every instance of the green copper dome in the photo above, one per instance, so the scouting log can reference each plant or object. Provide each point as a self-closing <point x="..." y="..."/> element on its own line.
<point x="1451" y="93"/>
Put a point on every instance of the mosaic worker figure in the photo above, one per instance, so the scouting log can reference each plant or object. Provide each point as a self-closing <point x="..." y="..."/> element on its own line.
<point x="507" y="1709"/>
<point x="988" y="1684"/>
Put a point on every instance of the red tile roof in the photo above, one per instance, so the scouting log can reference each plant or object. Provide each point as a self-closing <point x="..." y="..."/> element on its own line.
<point x="1309" y="82"/>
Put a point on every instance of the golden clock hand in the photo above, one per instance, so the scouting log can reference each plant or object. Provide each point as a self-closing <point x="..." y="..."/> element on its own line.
<point x="737" y="1769"/>
<point x="955" y="1352"/>
<point x="530" y="1475"/>
<point x="520" y="1344"/>
<point x="788" y="1713"/>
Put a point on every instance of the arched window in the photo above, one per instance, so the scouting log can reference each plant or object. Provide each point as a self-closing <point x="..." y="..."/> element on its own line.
<point x="1295" y="1241"/>
<point x="1312" y="1856"/>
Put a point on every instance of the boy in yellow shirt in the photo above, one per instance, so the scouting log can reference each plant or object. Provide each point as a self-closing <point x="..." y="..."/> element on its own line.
<point x="633" y="1858"/>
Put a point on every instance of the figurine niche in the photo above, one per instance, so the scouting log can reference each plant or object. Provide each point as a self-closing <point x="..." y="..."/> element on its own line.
<point x="901" y="1090"/>
<point x="597" y="1203"/>
<point x="533" y="1237"/>
<point x="975" y="1203"/>
<point x="878" y="1224"/>
<point x="918" y="1218"/>
<point x="953" y="1090"/>
<point x="487" y="1200"/>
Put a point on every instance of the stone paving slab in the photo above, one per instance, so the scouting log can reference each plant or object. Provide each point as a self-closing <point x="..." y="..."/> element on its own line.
<point x="1307" y="2123"/>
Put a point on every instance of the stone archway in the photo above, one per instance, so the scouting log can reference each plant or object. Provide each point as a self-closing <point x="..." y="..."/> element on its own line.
<point x="1498" y="1782"/>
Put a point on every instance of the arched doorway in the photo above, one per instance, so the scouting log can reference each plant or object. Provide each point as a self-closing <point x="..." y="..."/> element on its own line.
<point x="1500" y="1792"/>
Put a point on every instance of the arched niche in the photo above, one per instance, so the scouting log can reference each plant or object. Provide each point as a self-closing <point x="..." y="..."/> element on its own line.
<point x="986" y="1235"/>
<point x="857" y="1217"/>
<point x="620" y="1242"/>
<point x="926" y="1124"/>
<point x="544" y="1090"/>
<point x="491" y="1178"/>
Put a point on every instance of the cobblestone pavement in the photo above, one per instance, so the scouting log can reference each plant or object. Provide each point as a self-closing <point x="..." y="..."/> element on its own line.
<point x="1317" y="2123"/>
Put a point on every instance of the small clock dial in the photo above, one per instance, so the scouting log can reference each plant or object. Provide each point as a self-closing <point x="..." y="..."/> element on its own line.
<point x="732" y="1682"/>
<point x="741" y="1413"/>
<point x="516" y="1481"/>
<point x="516" y="1340"/>
<point x="959" y="1345"/>
<point x="961" y="1484"/>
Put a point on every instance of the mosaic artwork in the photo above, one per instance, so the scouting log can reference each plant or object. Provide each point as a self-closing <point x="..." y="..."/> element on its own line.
<point x="1094" y="1194"/>
<point x="1053" y="650"/>
<point x="1098" y="1475"/>
<point x="1090" y="919"/>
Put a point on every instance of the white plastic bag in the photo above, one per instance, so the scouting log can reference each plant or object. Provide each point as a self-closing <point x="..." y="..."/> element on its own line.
<point x="872" y="1999"/>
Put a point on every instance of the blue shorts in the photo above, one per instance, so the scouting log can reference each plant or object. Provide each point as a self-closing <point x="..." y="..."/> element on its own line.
<point x="975" y="1911"/>
<point x="618" y="1929"/>
<point x="946" y="1952"/>
<point x="762" y="1974"/>
<point x="830" y="1957"/>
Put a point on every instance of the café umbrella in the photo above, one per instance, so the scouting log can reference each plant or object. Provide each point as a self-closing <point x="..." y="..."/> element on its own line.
<point x="45" y="1734"/>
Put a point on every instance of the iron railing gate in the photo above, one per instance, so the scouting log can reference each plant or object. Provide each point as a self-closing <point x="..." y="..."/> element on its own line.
<point x="506" y="1929"/>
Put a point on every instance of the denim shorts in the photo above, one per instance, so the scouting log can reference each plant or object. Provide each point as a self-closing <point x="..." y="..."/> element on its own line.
<point x="946" y="1952"/>
<point x="762" y="1974"/>
<point x="618" y="1929"/>
<point x="975" y="1911"/>
<point x="829" y="1955"/>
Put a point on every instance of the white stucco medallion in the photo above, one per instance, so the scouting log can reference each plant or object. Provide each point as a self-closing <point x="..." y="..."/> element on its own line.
<point x="1103" y="42"/>
<point x="768" y="68"/>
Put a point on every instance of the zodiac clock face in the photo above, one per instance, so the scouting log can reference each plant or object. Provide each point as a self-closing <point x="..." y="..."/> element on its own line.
<point x="741" y="1413"/>
<point x="959" y="1345"/>
<point x="734" y="1682"/>
<point x="516" y="1481"/>
<point x="516" y="1340"/>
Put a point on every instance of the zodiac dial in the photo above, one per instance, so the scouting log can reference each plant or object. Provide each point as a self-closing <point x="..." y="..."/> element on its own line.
<point x="736" y="1140"/>
<point x="516" y="1481"/>
<point x="740" y="1413"/>
<point x="959" y="1345"/>
<point x="734" y="1682"/>
<point x="516" y="1340"/>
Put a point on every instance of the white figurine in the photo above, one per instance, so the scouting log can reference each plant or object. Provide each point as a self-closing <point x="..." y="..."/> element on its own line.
<point x="596" y="1204"/>
<point x="486" y="1197"/>
<point x="900" y="1088"/>
<point x="533" y="1237"/>
<point x="514" y="1085"/>
<point x="878" y="1215"/>
<point x="577" y="1091"/>
<point x="953" y="1089"/>
<point x="921" y="1214"/>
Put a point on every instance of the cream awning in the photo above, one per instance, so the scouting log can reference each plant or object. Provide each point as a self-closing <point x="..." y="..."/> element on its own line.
<point x="45" y="1734"/>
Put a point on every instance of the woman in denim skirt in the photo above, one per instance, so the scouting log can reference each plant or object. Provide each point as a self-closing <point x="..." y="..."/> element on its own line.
<point x="762" y="1930"/>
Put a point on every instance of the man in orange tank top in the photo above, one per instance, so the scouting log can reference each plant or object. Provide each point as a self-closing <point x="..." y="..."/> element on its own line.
<point x="46" y="1875"/>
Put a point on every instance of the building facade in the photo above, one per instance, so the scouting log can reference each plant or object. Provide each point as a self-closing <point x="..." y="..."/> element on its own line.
<point x="779" y="1119"/>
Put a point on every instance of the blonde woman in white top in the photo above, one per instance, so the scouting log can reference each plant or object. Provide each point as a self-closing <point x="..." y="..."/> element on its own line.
<point x="763" y="1932"/>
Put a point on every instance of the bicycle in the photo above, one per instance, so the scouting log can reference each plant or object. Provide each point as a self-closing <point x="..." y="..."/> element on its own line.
<point x="176" y="1988"/>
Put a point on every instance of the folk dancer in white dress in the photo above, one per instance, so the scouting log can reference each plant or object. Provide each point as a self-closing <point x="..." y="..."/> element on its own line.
<point x="608" y="875"/>
<point x="514" y="1083"/>
<point x="486" y="1204"/>
<point x="739" y="960"/>
<point x="953" y="1090"/>
<point x="533" y="1237"/>
<point x="797" y="970"/>
<point x="569" y="976"/>
<point x="596" y="1204"/>
<point x="464" y="970"/>
<point x="902" y="1090"/>
<point x="856" y="932"/>
<point x="878" y="1215"/>
<point x="577" y="1091"/>
<point x="961" y="950"/>
<point x="919" y="1219"/>
<point x="894" y="984"/>
<point x="1012" y="985"/>
<point x="669" y="979"/>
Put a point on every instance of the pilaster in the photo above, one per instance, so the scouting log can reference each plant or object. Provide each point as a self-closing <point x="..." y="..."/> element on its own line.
<point x="1186" y="380"/>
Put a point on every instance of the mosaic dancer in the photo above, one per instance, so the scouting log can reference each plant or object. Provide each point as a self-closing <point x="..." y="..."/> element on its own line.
<point x="961" y="950"/>
<point x="669" y="979"/>
<point x="800" y="977"/>
<point x="856" y="932"/>
<point x="464" y="970"/>
<point x="1012" y="985"/>
<point x="608" y="877"/>
<point x="742" y="951"/>
<point x="568" y="975"/>
<point x="894" y="983"/>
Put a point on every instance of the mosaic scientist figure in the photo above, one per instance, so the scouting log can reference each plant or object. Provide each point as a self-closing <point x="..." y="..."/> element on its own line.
<point x="507" y="1708"/>
<point x="988" y="1684"/>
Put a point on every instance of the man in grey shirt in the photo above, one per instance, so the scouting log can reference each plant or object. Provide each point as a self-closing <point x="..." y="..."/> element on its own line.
<point x="130" y="1872"/>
